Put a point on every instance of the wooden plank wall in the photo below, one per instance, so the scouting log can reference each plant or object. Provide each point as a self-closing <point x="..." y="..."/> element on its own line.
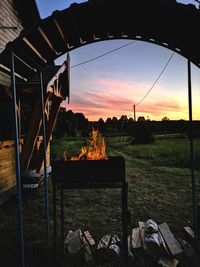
<point x="7" y="164"/>
<point x="9" y="17"/>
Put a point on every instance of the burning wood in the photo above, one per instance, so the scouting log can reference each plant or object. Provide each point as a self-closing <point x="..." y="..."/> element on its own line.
<point x="95" y="148"/>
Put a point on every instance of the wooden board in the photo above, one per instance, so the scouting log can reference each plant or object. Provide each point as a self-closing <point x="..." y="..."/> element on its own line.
<point x="170" y="241"/>
<point x="7" y="165"/>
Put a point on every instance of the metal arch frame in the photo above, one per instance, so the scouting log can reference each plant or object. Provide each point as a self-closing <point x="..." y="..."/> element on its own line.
<point x="35" y="58"/>
<point x="82" y="24"/>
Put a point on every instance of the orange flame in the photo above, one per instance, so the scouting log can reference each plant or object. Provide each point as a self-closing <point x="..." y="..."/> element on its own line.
<point x="95" y="148"/>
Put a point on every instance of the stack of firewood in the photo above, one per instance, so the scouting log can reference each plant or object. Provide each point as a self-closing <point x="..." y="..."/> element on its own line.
<point x="154" y="245"/>
<point x="80" y="247"/>
<point x="149" y="245"/>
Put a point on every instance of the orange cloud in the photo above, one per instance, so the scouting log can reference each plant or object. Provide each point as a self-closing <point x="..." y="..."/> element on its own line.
<point x="107" y="98"/>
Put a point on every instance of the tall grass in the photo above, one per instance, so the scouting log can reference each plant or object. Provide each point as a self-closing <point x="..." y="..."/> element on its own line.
<point x="72" y="147"/>
<point x="172" y="152"/>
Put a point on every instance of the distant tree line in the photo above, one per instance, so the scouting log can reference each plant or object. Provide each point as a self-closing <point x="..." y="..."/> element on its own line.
<point x="70" y="124"/>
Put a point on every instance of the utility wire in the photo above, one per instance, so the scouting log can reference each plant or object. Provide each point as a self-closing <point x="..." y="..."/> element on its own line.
<point x="109" y="52"/>
<point x="156" y="80"/>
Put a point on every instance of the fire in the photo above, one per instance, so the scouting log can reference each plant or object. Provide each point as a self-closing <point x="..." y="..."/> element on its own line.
<point x="95" y="148"/>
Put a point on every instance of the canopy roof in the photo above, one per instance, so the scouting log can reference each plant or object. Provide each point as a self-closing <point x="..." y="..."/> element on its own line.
<point x="166" y="23"/>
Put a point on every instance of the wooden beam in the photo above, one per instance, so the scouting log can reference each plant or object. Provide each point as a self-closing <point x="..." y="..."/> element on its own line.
<point x="49" y="128"/>
<point x="31" y="138"/>
<point x="59" y="85"/>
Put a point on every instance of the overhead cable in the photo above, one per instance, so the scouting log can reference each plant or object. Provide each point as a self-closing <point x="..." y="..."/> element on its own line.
<point x="109" y="52"/>
<point x="156" y="80"/>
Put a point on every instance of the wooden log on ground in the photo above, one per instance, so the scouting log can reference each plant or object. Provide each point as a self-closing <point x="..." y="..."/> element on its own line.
<point x="154" y="249"/>
<point x="189" y="231"/>
<point x="108" y="250"/>
<point x="167" y="262"/>
<point x="89" y="246"/>
<point x="135" y="238"/>
<point x="165" y="251"/>
<point x="73" y="244"/>
<point x="189" y="236"/>
<point x="89" y="238"/>
<point x="142" y="234"/>
<point x="170" y="241"/>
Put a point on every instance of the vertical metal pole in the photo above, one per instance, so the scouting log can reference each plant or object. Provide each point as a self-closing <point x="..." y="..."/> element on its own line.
<point x="17" y="157"/>
<point x="45" y="159"/>
<point x="134" y="113"/>
<point x="192" y="151"/>
<point x="62" y="213"/>
<point x="198" y="220"/>
<point x="54" y="222"/>
<point x="125" y="223"/>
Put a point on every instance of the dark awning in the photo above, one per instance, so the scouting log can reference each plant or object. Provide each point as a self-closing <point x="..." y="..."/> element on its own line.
<point x="166" y="23"/>
<point x="47" y="73"/>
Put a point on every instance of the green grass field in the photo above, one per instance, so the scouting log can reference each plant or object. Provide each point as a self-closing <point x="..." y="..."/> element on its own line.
<point x="159" y="182"/>
<point x="159" y="178"/>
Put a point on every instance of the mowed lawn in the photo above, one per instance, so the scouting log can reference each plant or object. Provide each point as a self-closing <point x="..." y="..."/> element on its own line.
<point x="159" y="178"/>
<point x="159" y="187"/>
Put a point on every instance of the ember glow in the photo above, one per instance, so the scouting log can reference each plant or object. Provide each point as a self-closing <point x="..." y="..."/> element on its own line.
<point x="95" y="148"/>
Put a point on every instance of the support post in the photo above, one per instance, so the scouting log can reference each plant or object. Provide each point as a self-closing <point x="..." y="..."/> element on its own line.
<point x="134" y="112"/>
<point x="192" y="151"/>
<point x="54" y="223"/>
<point x="62" y="214"/>
<point x="17" y="157"/>
<point x="125" y="223"/>
<point x="44" y="157"/>
<point x="198" y="220"/>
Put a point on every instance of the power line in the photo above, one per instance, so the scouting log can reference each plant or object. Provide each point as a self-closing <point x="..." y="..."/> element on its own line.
<point x="156" y="80"/>
<point x="109" y="52"/>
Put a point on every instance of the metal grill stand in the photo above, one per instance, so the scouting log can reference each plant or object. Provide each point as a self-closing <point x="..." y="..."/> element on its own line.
<point x="86" y="174"/>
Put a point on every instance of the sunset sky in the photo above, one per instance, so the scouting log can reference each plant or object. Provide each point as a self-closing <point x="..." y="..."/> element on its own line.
<point x="109" y="86"/>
